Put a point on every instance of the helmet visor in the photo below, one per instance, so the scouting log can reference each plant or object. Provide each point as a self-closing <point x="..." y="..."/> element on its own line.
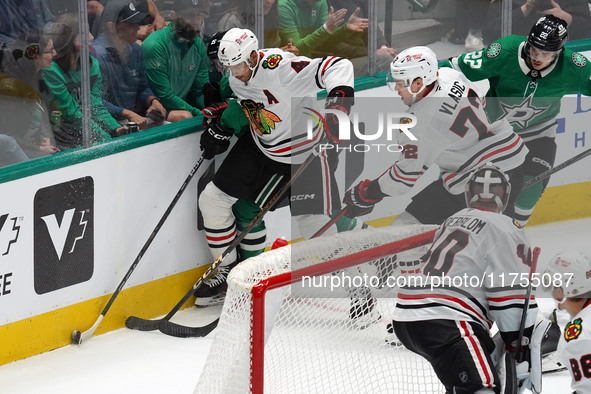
<point x="542" y="56"/>
<point x="396" y="85"/>
<point x="235" y="70"/>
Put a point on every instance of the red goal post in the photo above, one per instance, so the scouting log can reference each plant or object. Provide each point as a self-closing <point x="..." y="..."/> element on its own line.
<point x="263" y="328"/>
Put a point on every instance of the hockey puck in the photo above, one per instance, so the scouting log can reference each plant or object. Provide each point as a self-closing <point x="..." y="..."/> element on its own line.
<point x="76" y="337"/>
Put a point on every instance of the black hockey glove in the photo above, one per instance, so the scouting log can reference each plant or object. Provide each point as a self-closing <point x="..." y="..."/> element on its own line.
<point x="339" y="98"/>
<point x="213" y="112"/>
<point x="358" y="202"/>
<point x="211" y="93"/>
<point x="215" y="139"/>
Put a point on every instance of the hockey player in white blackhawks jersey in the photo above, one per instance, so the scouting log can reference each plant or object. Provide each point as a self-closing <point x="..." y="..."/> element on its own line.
<point x="464" y="286"/>
<point x="569" y="275"/>
<point x="452" y="131"/>
<point x="265" y="81"/>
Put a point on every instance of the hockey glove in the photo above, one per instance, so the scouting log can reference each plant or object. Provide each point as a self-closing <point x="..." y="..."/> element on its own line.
<point x="215" y="139"/>
<point x="339" y="98"/>
<point x="211" y="93"/>
<point x="214" y="111"/>
<point x="357" y="201"/>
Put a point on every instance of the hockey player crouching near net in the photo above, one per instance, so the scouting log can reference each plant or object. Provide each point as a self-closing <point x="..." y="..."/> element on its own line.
<point x="453" y="132"/>
<point x="264" y="82"/>
<point x="450" y="325"/>
<point x="569" y="275"/>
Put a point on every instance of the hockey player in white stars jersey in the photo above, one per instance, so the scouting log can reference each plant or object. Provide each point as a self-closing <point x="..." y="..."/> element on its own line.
<point x="452" y="131"/>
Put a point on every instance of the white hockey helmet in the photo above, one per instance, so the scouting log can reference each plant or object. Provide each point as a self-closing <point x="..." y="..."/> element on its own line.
<point x="236" y="46"/>
<point x="410" y="64"/>
<point x="488" y="184"/>
<point x="569" y="270"/>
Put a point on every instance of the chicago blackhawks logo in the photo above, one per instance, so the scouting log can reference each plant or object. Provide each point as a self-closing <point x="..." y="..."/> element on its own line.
<point x="262" y="121"/>
<point x="573" y="329"/>
<point x="272" y="61"/>
<point x="493" y="50"/>
<point x="579" y="60"/>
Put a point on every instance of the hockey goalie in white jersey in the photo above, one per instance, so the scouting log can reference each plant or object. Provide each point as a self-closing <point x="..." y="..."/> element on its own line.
<point x="452" y="131"/>
<point x="568" y="279"/>
<point x="446" y="314"/>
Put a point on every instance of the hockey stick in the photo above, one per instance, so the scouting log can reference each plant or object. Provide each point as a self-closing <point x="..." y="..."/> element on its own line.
<point x="330" y="223"/>
<point x="557" y="168"/>
<point x="532" y="270"/>
<point x="177" y="330"/>
<point x="173" y="329"/>
<point x="77" y="336"/>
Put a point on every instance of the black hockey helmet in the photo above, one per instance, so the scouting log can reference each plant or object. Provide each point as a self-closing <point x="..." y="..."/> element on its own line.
<point x="488" y="185"/>
<point x="548" y="34"/>
<point x="214" y="44"/>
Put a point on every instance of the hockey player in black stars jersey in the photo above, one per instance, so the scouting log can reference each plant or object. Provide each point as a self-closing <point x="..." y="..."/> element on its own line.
<point x="264" y="158"/>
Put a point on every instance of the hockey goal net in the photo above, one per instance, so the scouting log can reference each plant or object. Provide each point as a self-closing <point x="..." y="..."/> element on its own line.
<point x="277" y="335"/>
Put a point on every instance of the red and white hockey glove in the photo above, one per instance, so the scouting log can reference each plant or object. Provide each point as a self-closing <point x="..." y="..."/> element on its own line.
<point x="357" y="201"/>
<point x="340" y="98"/>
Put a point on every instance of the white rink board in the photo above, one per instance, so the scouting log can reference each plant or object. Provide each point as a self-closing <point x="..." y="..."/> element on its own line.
<point x="132" y="190"/>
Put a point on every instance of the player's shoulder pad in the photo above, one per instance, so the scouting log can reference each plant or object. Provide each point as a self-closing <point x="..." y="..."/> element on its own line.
<point x="573" y="329"/>
<point x="494" y="50"/>
<point x="274" y="58"/>
<point x="578" y="59"/>
<point x="445" y="80"/>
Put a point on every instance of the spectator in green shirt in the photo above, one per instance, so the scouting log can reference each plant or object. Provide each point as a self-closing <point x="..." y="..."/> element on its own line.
<point x="176" y="60"/>
<point x="64" y="85"/>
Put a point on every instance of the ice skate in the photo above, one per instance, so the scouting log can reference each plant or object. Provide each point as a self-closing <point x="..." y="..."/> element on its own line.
<point x="363" y="312"/>
<point x="213" y="290"/>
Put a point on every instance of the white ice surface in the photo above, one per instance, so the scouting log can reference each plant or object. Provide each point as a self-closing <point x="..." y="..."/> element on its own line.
<point x="126" y="361"/>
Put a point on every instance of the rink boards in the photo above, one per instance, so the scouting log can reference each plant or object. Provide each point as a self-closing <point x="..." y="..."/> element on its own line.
<point x="71" y="226"/>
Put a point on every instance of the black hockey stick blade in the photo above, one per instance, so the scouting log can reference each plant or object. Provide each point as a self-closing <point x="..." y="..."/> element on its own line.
<point x="137" y="323"/>
<point x="176" y="330"/>
<point x="510" y="374"/>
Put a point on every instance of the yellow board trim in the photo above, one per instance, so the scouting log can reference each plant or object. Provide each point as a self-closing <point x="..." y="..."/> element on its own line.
<point x="52" y="330"/>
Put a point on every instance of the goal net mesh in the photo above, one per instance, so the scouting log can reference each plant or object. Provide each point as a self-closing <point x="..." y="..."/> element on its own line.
<point x="311" y="344"/>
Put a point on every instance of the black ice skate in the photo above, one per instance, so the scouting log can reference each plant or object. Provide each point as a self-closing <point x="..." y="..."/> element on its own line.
<point x="213" y="291"/>
<point x="550" y="360"/>
<point x="363" y="312"/>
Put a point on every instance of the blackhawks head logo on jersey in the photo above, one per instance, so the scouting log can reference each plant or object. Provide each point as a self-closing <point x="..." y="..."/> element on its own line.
<point x="573" y="329"/>
<point x="262" y="120"/>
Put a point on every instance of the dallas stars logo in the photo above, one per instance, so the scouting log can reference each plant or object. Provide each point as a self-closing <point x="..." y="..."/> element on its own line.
<point x="521" y="114"/>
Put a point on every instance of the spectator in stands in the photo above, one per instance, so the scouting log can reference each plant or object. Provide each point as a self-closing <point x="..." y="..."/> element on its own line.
<point x="241" y="15"/>
<point x="525" y="14"/>
<point x="10" y="152"/>
<point x="356" y="46"/>
<point x="18" y="17"/>
<point x="126" y="93"/>
<point x="176" y="60"/>
<point x="469" y="21"/>
<point x="318" y="31"/>
<point x="63" y="81"/>
<point x="96" y="8"/>
<point x="23" y="112"/>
